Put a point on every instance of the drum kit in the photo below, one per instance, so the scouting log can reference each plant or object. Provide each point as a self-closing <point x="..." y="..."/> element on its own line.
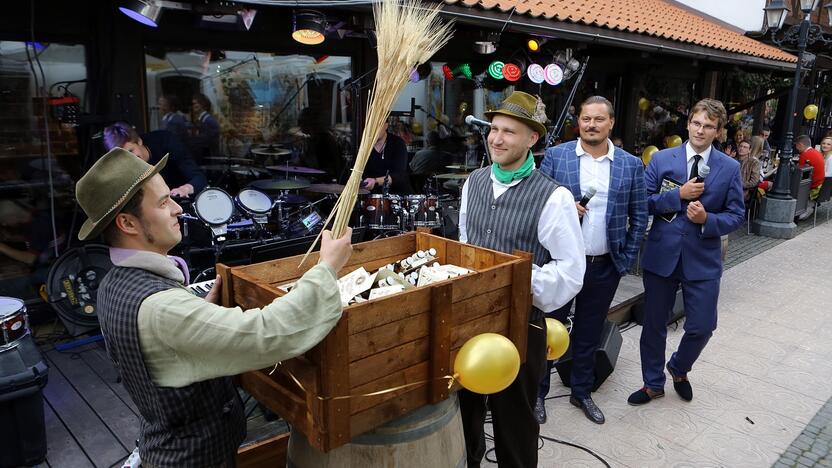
<point x="264" y="198"/>
<point x="14" y="323"/>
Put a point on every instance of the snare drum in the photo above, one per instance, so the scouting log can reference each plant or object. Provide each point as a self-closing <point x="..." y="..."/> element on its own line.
<point x="14" y="324"/>
<point x="255" y="203"/>
<point x="214" y="206"/>
<point x="423" y="211"/>
<point x="382" y="212"/>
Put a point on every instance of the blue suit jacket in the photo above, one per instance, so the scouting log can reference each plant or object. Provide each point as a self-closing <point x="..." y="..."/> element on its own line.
<point x="699" y="248"/>
<point x="627" y="201"/>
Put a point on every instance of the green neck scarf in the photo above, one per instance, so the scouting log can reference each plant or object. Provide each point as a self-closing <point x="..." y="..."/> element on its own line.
<point x="506" y="177"/>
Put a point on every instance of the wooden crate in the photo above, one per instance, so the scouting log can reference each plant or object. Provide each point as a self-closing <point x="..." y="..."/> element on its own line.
<point x="404" y="338"/>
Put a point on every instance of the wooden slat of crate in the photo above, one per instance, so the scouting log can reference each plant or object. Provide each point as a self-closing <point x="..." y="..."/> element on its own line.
<point x="412" y="374"/>
<point x="384" y="337"/>
<point x="497" y="322"/>
<point x="368" y="315"/>
<point x="392" y="360"/>
<point x="389" y="410"/>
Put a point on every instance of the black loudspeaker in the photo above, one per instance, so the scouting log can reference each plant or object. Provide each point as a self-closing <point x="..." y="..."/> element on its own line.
<point x="605" y="357"/>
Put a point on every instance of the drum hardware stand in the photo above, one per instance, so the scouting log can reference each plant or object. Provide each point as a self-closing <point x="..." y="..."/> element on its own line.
<point x="486" y="154"/>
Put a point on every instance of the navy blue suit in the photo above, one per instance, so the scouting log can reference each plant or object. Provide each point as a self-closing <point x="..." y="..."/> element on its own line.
<point x="686" y="253"/>
<point x="626" y="221"/>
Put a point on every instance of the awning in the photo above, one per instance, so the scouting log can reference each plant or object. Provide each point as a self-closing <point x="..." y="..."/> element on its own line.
<point x="648" y="25"/>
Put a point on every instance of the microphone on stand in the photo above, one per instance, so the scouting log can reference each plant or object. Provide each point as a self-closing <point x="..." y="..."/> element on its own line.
<point x="475" y="122"/>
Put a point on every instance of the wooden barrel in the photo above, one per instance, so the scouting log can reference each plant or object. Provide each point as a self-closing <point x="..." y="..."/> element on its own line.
<point x="430" y="436"/>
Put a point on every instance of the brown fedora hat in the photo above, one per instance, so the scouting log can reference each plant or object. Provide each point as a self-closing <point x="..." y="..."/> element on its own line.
<point x="109" y="184"/>
<point x="524" y="107"/>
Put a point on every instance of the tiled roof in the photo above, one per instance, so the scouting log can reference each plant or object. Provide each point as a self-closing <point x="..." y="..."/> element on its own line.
<point x="657" y="18"/>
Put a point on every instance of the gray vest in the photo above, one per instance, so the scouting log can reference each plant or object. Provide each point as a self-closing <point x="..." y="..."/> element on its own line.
<point x="509" y="222"/>
<point x="200" y="425"/>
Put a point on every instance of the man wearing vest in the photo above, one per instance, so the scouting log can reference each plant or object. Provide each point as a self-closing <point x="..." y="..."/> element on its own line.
<point x="512" y="206"/>
<point x="690" y="213"/>
<point x="612" y="224"/>
<point x="174" y="351"/>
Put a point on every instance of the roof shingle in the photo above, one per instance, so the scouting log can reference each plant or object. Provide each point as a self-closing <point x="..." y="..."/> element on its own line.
<point x="656" y="18"/>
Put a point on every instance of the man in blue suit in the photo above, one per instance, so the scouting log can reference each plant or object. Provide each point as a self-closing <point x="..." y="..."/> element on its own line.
<point x="691" y="209"/>
<point x="612" y="224"/>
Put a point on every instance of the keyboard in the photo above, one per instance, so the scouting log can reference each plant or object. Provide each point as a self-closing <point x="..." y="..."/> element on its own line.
<point x="201" y="289"/>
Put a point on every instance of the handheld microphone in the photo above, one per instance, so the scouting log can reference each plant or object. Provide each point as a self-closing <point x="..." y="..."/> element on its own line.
<point x="587" y="196"/>
<point x="703" y="172"/>
<point x="475" y="122"/>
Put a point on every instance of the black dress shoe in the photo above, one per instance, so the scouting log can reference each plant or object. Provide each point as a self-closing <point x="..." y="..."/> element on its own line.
<point x="591" y="410"/>
<point x="681" y="385"/>
<point x="540" y="411"/>
<point x="643" y="396"/>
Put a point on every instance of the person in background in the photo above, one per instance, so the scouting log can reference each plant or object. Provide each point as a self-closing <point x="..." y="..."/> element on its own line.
<point x="172" y="119"/>
<point x="739" y="137"/>
<point x="183" y="174"/>
<point x="617" y="142"/>
<point x="749" y="169"/>
<point x="388" y="159"/>
<point x="176" y="353"/>
<point x="826" y="150"/>
<point x="765" y="132"/>
<point x="205" y="133"/>
<point x="756" y="152"/>
<point x="429" y="160"/>
<point x="809" y="155"/>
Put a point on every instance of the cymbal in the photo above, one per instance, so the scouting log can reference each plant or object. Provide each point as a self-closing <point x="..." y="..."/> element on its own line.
<point x="270" y="151"/>
<point x="281" y="184"/>
<point x="463" y="167"/>
<point x="295" y="169"/>
<point x="332" y="188"/>
<point x="228" y="160"/>
<point x="460" y="175"/>
<point x="292" y="199"/>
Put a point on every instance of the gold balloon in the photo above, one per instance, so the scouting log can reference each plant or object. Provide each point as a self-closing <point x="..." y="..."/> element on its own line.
<point x="810" y="111"/>
<point x="557" y="339"/>
<point x="643" y="104"/>
<point x="673" y="141"/>
<point x="416" y="127"/>
<point x="737" y="116"/>
<point x="647" y="154"/>
<point x="487" y="363"/>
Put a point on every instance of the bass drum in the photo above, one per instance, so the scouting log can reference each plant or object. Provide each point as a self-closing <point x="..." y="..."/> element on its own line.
<point x="72" y="285"/>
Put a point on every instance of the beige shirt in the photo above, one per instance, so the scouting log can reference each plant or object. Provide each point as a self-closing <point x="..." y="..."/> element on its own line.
<point x="186" y="339"/>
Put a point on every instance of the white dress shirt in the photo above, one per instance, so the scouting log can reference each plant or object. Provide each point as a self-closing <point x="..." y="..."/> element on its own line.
<point x="595" y="172"/>
<point x="690" y="152"/>
<point x="558" y="281"/>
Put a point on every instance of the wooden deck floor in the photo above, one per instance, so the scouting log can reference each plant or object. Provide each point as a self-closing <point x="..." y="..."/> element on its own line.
<point x="91" y="420"/>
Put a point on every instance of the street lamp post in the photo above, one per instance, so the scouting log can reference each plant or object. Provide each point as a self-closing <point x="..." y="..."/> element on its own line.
<point x="777" y="211"/>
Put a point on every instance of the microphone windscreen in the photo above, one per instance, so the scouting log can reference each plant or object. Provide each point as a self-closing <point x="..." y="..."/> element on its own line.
<point x="704" y="171"/>
<point x="591" y="192"/>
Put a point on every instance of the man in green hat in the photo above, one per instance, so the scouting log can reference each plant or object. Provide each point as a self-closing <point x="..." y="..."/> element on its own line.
<point x="509" y="206"/>
<point x="175" y="351"/>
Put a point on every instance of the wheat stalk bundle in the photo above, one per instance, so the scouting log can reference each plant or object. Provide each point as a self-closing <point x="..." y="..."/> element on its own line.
<point x="407" y="34"/>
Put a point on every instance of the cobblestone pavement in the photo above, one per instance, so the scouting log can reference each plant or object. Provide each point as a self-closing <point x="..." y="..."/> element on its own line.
<point x="761" y="387"/>
<point x="811" y="448"/>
